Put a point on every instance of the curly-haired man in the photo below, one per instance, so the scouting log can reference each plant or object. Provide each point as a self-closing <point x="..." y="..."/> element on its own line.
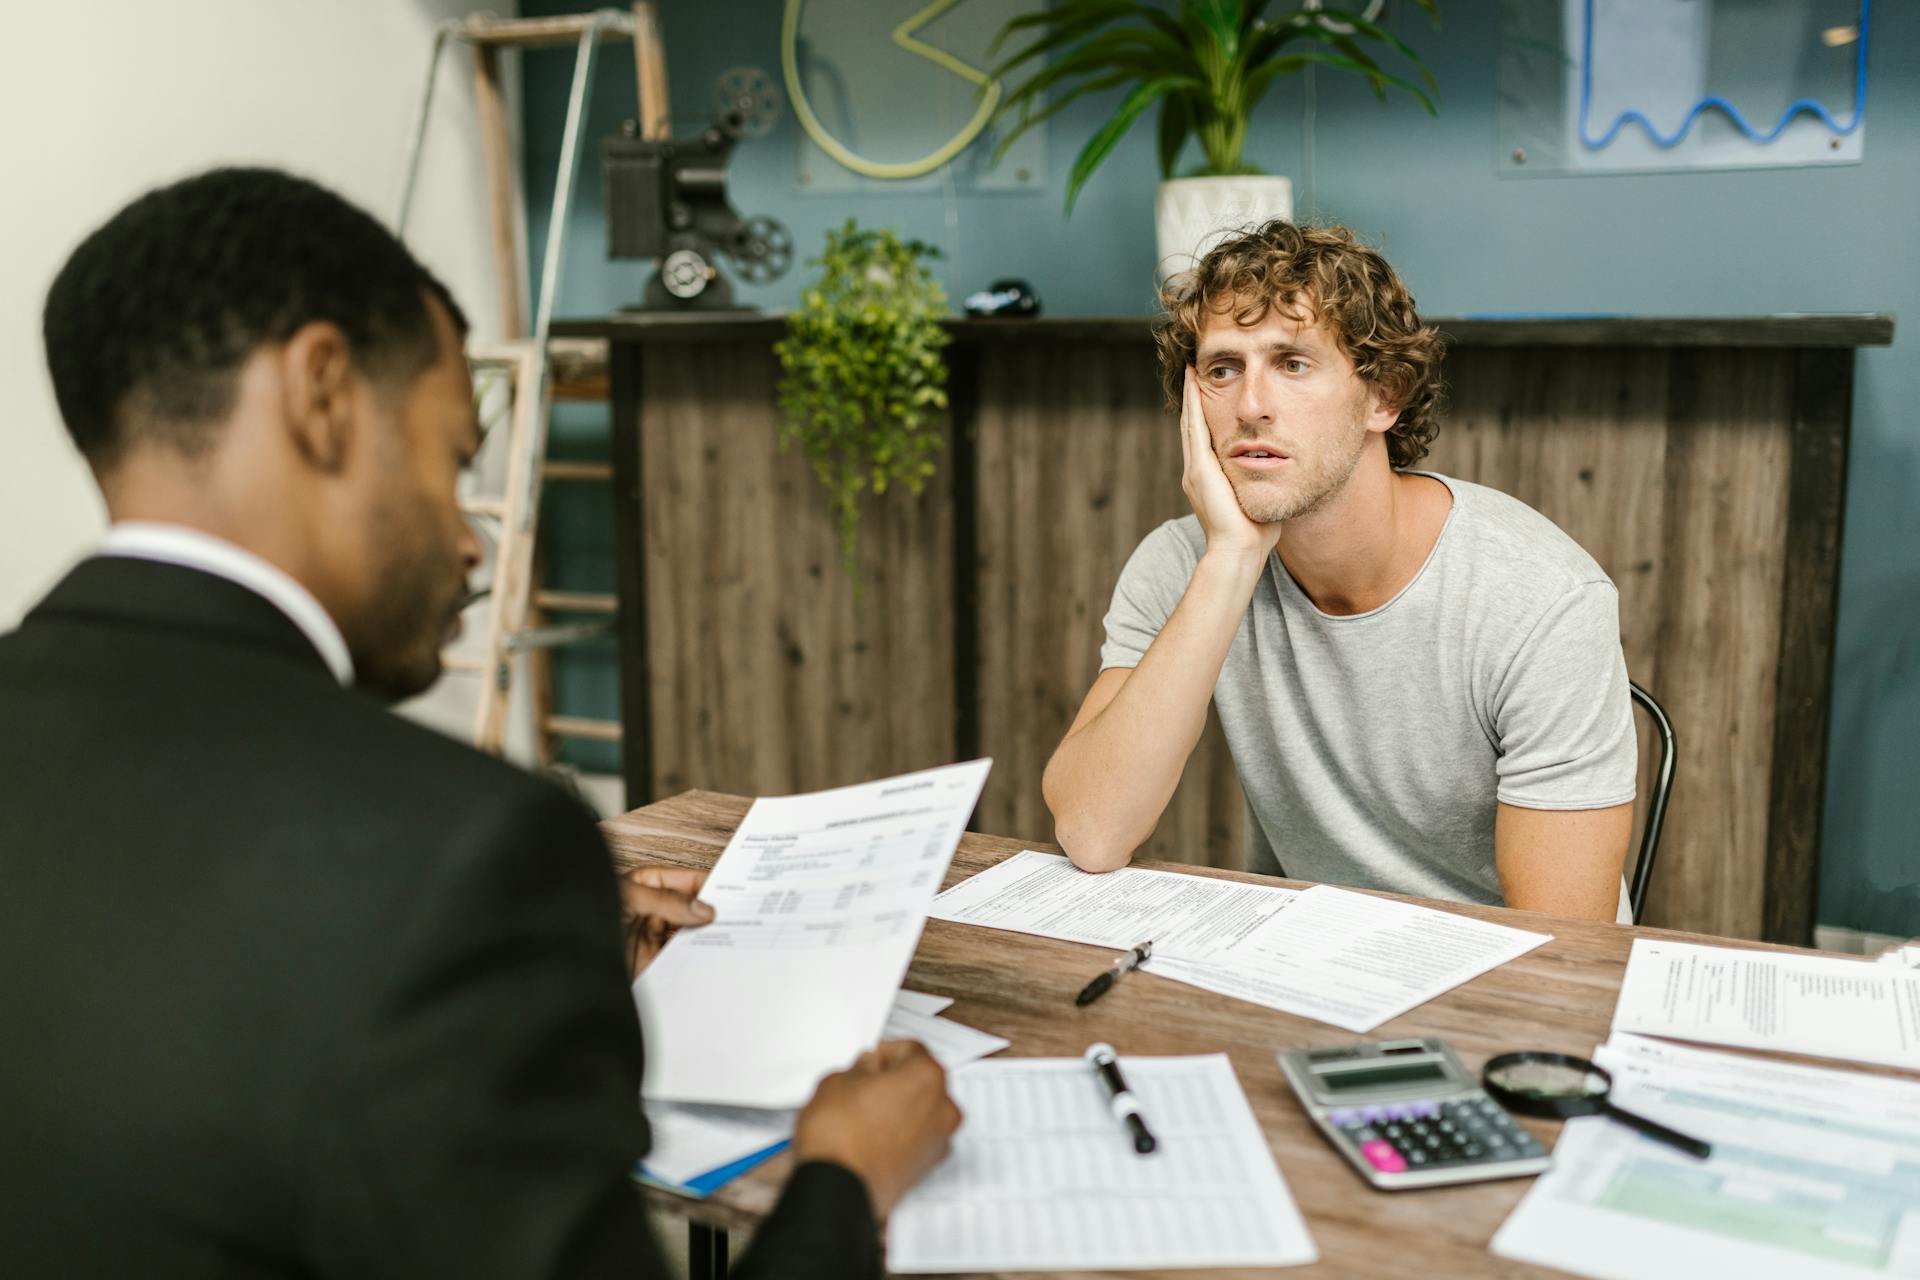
<point x="1420" y="678"/>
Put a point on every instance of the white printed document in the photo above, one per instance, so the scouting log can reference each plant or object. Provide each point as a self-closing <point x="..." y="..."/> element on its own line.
<point x="1815" y="1175"/>
<point x="818" y="903"/>
<point x="1045" y="894"/>
<point x="1905" y="957"/>
<point x="952" y="1044"/>
<point x="698" y="1148"/>
<point x="1343" y="958"/>
<point x="1043" y="1178"/>
<point x="1825" y="1006"/>
<point x="1351" y="959"/>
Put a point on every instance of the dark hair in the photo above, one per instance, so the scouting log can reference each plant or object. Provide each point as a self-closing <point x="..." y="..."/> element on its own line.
<point x="1325" y="272"/>
<point x="148" y="323"/>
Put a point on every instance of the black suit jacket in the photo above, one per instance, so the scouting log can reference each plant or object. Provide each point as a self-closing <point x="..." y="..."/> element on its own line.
<point x="291" y="986"/>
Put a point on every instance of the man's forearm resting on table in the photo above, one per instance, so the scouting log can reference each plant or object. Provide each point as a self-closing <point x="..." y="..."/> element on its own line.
<point x="1113" y="775"/>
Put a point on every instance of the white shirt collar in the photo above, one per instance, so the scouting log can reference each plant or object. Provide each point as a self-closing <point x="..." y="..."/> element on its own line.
<point x="195" y="549"/>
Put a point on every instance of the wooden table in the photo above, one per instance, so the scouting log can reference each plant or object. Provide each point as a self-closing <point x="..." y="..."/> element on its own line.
<point x="1559" y="997"/>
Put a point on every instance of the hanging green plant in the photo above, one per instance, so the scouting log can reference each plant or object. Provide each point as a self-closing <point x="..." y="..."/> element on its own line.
<point x="864" y="389"/>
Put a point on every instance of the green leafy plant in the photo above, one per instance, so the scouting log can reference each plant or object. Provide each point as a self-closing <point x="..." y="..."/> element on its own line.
<point x="864" y="388"/>
<point x="1207" y="63"/>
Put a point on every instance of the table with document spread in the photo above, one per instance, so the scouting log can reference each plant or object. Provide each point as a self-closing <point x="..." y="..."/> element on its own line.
<point x="1558" y="997"/>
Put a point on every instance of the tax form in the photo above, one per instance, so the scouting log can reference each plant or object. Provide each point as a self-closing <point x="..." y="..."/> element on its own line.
<point x="1348" y="959"/>
<point x="1043" y="1178"/>
<point x="1815" y="1174"/>
<point x="1351" y="959"/>
<point x="1826" y="1006"/>
<point x="1045" y="894"/>
<point x="818" y="903"/>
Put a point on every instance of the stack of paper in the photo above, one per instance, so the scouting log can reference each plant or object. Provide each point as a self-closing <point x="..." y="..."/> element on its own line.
<point x="1042" y="1177"/>
<point x="699" y="1147"/>
<point x="1349" y="959"/>
<point x="1045" y="894"/>
<point x="818" y="903"/>
<point x="951" y="1043"/>
<point x="1815" y="1174"/>
<point x="1825" y="1006"/>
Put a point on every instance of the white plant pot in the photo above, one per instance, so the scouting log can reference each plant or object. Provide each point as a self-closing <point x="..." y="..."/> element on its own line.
<point x="1192" y="215"/>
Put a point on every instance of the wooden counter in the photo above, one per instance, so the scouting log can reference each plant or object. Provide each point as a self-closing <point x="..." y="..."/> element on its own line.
<point x="1702" y="461"/>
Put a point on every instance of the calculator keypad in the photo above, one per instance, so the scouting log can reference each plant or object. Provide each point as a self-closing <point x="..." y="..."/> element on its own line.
<point x="1432" y="1135"/>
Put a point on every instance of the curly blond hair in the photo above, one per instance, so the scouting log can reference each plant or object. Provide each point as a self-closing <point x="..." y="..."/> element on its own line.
<point x="1327" y="273"/>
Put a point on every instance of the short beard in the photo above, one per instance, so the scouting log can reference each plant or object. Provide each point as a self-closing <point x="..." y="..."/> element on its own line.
<point x="1320" y="483"/>
<point x="413" y="611"/>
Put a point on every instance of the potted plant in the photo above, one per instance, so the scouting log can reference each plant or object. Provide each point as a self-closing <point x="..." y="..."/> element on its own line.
<point x="1206" y="64"/>
<point x="863" y="387"/>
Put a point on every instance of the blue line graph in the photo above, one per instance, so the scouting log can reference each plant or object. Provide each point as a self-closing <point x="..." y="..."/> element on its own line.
<point x="1714" y="102"/>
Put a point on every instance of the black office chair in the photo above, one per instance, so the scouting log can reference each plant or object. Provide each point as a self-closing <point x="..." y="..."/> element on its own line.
<point x="1657" y="806"/>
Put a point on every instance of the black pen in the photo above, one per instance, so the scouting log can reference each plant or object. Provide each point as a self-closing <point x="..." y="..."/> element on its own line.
<point x="1098" y="987"/>
<point x="1120" y="1099"/>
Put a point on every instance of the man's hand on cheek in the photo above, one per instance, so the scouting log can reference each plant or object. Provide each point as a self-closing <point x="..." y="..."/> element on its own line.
<point x="1222" y="518"/>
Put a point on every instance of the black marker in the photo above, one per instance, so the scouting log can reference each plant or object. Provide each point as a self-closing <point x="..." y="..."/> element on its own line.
<point x="1125" y="1107"/>
<point x="1126" y="963"/>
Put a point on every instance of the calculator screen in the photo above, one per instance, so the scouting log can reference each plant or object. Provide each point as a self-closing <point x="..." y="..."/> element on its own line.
<point x="1370" y="1077"/>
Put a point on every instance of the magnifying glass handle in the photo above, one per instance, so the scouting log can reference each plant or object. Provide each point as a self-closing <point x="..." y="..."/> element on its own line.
<point x="1692" y="1146"/>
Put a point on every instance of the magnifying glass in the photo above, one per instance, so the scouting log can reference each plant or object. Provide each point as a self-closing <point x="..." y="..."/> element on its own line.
<point x="1560" y="1086"/>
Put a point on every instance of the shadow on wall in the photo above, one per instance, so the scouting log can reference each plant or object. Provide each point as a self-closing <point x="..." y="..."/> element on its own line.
<point x="1873" y="806"/>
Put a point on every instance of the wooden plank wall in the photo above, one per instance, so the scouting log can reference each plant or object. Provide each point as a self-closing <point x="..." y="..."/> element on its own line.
<point x="1076" y="464"/>
<point x="1670" y="468"/>
<point x="767" y="675"/>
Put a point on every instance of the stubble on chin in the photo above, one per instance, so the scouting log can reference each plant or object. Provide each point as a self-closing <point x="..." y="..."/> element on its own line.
<point x="1271" y="499"/>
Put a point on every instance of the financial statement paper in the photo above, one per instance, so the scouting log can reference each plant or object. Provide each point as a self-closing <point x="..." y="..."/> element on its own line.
<point x="1825" y="1006"/>
<point x="1348" y="959"/>
<point x="1815" y="1174"/>
<point x="1043" y="1178"/>
<point x="818" y="901"/>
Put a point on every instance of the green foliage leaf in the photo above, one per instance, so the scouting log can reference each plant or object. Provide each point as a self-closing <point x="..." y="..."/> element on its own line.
<point x="1176" y="123"/>
<point x="1224" y="54"/>
<point x="862" y="379"/>
<point x="1347" y="45"/>
<point x="1108" y="135"/>
<point x="1144" y="53"/>
<point x="1221" y="20"/>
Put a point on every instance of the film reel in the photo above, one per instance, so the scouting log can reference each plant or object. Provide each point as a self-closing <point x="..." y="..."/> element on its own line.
<point x="746" y="102"/>
<point x="762" y="250"/>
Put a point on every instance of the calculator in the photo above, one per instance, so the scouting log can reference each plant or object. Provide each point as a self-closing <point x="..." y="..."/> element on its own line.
<point x="1406" y="1114"/>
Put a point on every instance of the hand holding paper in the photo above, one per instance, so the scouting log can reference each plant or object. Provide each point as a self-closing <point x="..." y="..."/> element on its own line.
<point x="818" y="903"/>
<point x="655" y="904"/>
<point x="887" y="1117"/>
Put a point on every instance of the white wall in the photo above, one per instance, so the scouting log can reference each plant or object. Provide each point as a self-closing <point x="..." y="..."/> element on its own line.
<point x="102" y="100"/>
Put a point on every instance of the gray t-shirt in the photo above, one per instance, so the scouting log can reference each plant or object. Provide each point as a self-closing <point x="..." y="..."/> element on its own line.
<point x="1372" y="748"/>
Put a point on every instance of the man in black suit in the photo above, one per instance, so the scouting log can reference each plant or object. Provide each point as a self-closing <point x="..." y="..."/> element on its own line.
<point x="292" y="986"/>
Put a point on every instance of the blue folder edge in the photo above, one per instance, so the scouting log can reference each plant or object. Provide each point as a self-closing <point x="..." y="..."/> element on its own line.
<point x="713" y="1179"/>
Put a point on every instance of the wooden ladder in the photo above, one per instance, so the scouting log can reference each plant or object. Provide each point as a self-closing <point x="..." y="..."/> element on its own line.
<point x="518" y="624"/>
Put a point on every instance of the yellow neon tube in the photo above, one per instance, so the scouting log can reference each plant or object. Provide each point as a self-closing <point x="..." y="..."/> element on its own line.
<point x="902" y="36"/>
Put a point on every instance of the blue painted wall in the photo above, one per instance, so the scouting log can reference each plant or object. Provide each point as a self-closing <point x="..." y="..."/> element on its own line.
<point x="1467" y="240"/>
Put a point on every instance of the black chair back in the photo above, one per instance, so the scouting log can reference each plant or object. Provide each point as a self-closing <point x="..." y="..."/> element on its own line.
<point x="1657" y="806"/>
